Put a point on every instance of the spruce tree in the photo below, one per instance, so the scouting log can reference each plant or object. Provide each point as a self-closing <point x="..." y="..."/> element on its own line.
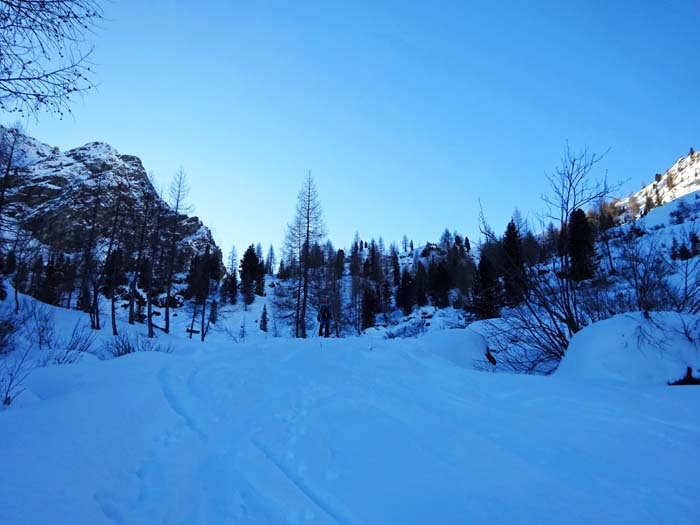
<point x="370" y="307"/>
<point x="395" y="267"/>
<point x="421" y="285"/>
<point x="440" y="284"/>
<point x="406" y="293"/>
<point x="581" y="249"/>
<point x="446" y="240"/>
<point x="249" y="270"/>
<point x="260" y="279"/>
<point x="513" y="266"/>
<point x="487" y="290"/>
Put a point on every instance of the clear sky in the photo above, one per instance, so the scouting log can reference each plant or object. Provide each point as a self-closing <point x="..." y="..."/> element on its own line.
<point x="406" y="113"/>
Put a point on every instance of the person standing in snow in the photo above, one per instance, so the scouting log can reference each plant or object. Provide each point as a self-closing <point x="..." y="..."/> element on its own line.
<point x="324" y="318"/>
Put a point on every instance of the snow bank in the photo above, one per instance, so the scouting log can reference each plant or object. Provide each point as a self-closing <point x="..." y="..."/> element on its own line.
<point x="353" y="430"/>
<point x="463" y="348"/>
<point x="632" y="349"/>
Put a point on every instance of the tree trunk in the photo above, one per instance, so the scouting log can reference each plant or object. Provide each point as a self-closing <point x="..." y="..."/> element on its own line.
<point x="114" y="314"/>
<point x="204" y="310"/>
<point x="194" y="317"/>
<point x="149" y="301"/>
<point x="16" y="298"/>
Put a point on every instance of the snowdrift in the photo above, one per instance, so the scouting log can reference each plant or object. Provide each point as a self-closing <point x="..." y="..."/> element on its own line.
<point x="634" y="349"/>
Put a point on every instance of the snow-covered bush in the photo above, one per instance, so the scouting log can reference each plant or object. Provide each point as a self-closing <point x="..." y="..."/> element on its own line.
<point x="14" y="361"/>
<point x="66" y="351"/>
<point x="414" y="328"/>
<point x="124" y="344"/>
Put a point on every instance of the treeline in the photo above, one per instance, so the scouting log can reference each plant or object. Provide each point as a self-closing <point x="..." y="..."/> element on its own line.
<point x="138" y="252"/>
<point x="589" y="261"/>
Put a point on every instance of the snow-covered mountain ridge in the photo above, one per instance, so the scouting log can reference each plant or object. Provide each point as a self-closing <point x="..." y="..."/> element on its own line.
<point x="679" y="180"/>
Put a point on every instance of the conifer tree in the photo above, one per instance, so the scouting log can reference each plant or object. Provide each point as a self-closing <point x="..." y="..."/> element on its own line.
<point x="271" y="261"/>
<point x="229" y="287"/>
<point x="440" y="284"/>
<point x="406" y="293"/>
<point x="395" y="267"/>
<point x="421" y="285"/>
<point x="179" y="191"/>
<point x="250" y="269"/>
<point x="580" y="246"/>
<point x="648" y="205"/>
<point x="513" y="266"/>
<point x="49" y="286"/>
<point x="487" y="290"/>
<point x="303" y="232"/>
<point x="446" y="240"/>
<point x="370" y="307"/>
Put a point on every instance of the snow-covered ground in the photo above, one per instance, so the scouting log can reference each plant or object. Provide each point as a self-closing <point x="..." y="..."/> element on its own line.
<point x="353" y="430"/>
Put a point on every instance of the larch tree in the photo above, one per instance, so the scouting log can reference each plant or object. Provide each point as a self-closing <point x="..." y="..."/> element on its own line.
<point x="145" y="219"/>
<point x="270" y="261"/>
<point x="229" y="287"/>
<point x="179" y="190"/>
<point x="306" y="229"/>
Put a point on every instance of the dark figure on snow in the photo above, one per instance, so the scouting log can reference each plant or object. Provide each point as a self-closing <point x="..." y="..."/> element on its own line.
<point x="324" y="318"/>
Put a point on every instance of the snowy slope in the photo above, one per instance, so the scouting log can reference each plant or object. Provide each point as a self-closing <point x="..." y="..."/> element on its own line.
<point x="679" y="180"/>
<point x="354" y="430"/>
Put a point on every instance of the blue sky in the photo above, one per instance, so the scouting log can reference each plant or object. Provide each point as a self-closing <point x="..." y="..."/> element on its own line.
<point x="407" y="114"/>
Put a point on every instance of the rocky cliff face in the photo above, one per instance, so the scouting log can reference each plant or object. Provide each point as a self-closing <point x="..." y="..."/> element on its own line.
<point x="56" y="197"/>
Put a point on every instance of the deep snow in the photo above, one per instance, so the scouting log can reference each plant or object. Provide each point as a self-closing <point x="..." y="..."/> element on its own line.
<point x="355" y="430"/>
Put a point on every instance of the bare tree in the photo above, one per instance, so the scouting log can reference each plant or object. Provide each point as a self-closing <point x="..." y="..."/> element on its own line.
<point x="306" y="229"/>
<point x="148" y="272"/>
<point x="686" y="294"/>
<point x="536" y="333"/>
<point x="646" y="269"/>
<point x="147" y="197"/>
<point x="44" y="53"/>
<point x="179" y="190"/>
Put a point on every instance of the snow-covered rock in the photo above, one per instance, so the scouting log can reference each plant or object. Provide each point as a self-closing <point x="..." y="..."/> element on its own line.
<point x="52" y="195"/>
<point x="634" y="349"/>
